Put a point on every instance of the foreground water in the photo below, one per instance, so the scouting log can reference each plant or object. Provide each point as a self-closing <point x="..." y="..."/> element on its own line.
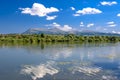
<point x="60" y="62"/>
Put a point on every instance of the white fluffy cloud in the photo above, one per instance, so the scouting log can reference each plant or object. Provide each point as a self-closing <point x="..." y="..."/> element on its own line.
<point x="118" y="14"/>
<point x="40" y="10"/>
<point x="111" y="24"/>
<point x="104" y="3"/>
<point x="63" y="28"/>
<point x="90" y="25"/>
<point x="66" y="28"/>
<point x="72" y="8"/>
<point x="87" y="10"/>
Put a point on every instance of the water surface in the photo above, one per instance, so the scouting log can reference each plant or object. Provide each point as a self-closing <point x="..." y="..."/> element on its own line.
<point x="97" y="61"/>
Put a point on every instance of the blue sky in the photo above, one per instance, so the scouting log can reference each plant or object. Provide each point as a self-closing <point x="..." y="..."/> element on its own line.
<point x="16" y="16"/>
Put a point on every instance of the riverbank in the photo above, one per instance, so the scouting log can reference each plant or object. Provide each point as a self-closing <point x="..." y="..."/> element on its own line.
<point x="40" y="38"/>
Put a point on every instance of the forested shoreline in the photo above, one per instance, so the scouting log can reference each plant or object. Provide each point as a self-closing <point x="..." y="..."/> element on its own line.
<point x="38" y="38"/>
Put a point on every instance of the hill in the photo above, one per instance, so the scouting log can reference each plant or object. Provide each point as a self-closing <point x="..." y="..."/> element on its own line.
<point x="57" y="31"/>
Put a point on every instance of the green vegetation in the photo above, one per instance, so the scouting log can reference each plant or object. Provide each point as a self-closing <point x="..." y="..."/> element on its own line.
<point x="38" y="38"/>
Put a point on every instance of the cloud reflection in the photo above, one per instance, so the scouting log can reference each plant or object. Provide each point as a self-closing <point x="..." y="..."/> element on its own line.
<point x="60" y="53"/>
<point x="39" y="71"/>
<point x="108" y="77"/>
<point x="86" y="70"/>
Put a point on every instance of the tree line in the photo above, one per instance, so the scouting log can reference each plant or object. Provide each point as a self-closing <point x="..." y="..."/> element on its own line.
<point x="38" y="38"/>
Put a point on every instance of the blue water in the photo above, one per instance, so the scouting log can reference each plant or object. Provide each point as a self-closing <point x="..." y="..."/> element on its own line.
<point x="98" y="61"/>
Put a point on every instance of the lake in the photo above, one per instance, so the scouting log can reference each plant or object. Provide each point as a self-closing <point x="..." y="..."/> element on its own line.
<point x="60" y="61"/>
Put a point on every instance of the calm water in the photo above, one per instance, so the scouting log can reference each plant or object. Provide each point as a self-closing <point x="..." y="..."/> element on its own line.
<point x="60" y="62"/>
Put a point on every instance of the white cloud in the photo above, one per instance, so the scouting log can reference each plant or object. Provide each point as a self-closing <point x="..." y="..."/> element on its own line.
<point x="72" y="8"/>
<point x="111" y="24"/>
<point x="66" y="28"/>
<point x="76" y="14"/>
<point x="51" y="17"/>
<point x="87" y="10"/>
<point x="39" y="71"/>
<point x="39" y="10"/>
<point x="101" y="28"/>
<point x="81" y="24"/>
<point x="104" y="3"/>
<point x="54" y="24"/>
<point x="118" y="14"/>
<point x="115" y="32"/>
<point x="118" y="32"/>
<point x="90" y="25"/>
<point x="63" y="28"/>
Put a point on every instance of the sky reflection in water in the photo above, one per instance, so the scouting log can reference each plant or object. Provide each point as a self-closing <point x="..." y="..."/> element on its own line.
<point x="39" y="71"/>
<point x="64" y="61"/>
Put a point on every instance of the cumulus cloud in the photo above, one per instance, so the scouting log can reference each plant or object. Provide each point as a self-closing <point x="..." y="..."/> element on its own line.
<point x="90" y="25"/>
<point x="63" y="28"/>
<point x="66" y="28"/>
<point x="39" y="71"/>
<point x="111" y="24"/>
<point x="87" y="10"/>
<point x="72" y="8"/>
<point x="108" y="3"/>
<point x="118" y="14"/>
<point x="39" y="10"/>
